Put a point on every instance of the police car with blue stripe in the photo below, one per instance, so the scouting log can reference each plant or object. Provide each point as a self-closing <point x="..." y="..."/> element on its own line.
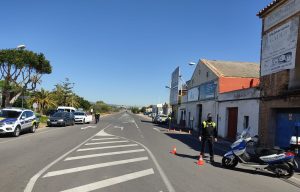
<point x="15" y="120"/>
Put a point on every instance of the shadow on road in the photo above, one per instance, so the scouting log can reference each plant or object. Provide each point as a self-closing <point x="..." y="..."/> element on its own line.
<point x="145" y="121"/>
<point x="196" y="157"/>
<point x="193" y="143"/>
<point x="245" y="170"/>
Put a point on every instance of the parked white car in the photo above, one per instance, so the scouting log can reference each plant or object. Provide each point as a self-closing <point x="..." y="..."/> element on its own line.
<point x="14" y="120"/>
<point x="82" y="117"/>
<point x="64" y="108"/>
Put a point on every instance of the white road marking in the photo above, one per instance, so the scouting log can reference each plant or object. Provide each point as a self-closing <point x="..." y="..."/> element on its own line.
<point x="111" y="181"/>
<point x="33" y="179"/>
<point x="95" y="166"/>
<point x="117" y="127"/>
<point x="104" y="154"/>
<point x="295" y="178"/>
<point x="105" y="139"/>
<point x="88" y="127"/>
<point x="160" y="170"/>
<point x="156" y="129"/>
<point x="107" y="142"/>
<point x="107" y="147"/>
<point x="103" y="134"/>
<point x="136" y="125"/>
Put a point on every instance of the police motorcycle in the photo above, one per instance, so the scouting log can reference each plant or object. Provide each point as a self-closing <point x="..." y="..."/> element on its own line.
<point x="245" y="152"/>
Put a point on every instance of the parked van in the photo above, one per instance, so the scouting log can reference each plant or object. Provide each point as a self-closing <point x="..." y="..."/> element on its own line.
<point x="64" y="108"/>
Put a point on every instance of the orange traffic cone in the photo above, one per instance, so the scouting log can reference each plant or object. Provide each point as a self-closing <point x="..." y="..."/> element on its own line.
<point x="173" y="151"/>
<point x="200" y="161"/>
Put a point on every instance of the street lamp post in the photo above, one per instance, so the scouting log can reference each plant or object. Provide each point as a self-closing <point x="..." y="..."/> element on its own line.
<point x="22" y="47"/>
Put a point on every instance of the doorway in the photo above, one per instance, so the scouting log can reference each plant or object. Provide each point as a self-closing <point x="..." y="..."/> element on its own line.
<point x="199" y="118"/>
<point x="232" y="123"/>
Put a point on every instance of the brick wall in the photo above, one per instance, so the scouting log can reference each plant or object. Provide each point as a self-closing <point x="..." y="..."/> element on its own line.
<point x="274" y="84"/>
<point x="267" y="121"/>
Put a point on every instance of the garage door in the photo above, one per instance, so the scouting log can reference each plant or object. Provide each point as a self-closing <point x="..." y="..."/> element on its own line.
<point x="285" y="127"/>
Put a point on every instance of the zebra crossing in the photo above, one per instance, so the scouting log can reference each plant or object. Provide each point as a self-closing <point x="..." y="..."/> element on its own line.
<point x="102" y="157"/>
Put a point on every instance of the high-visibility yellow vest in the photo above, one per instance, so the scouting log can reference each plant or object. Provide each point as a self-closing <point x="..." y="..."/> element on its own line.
<point x="205" y="124"/>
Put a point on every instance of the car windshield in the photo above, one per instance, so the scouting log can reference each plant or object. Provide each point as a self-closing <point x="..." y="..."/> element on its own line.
<point x="59" y="114"/>
<point x="10" y="114"/>
<point x="78" y="113"/>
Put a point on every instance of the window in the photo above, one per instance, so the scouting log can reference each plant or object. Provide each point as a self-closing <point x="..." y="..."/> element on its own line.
<point x="9" y="114"/>
<point x="23" y="115"/>
<point x="207" y="74"/>
<point x="29" y="114"/>
<point x="199" y="72"/>
<point x="246" y="122"/>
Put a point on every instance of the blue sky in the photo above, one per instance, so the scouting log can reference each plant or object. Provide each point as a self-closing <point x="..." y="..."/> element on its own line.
<point x="123" y="51"/>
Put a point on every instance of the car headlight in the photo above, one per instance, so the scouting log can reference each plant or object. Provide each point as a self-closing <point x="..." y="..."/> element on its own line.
<point x="48" y="120"/>
<point x="10" y="122"/>
<point x="61" y="120"/>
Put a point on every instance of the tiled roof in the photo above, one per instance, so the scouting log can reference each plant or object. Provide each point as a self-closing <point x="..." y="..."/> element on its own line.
<point x="268" y="7"/>
<point x="232" y="68"/>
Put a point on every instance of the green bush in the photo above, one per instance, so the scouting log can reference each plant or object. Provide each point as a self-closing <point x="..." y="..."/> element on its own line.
<point x="43" y="118"/>
<point x="135" y="110"/>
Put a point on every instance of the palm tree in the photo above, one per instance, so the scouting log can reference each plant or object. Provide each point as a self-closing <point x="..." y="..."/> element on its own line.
<point x="72" y="100"/>
<point x="45" y="100"/>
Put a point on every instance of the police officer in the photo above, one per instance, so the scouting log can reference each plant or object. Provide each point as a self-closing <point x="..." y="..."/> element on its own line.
<point x="97" y="117"/>
<point x="209" y="135"/>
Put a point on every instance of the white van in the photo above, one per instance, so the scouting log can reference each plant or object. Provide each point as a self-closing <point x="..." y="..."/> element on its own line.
<point x="64" y="108"/>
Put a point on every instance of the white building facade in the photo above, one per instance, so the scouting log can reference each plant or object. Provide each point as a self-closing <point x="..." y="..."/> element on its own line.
<point x="238" y="110"/>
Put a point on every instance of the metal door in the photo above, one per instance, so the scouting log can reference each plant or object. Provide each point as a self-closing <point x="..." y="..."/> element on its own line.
<point x="285" y="127"/>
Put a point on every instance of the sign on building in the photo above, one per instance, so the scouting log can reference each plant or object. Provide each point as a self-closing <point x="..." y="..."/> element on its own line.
<point x="279" y="48"/>
<point x="174" y="87"/>
<point x="282" y="13"/>
<point x="207" y="90"/>
<point x="193" y="94"/>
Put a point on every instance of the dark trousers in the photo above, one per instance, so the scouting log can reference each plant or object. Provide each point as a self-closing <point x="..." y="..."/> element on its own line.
<point x="210" y="141"/>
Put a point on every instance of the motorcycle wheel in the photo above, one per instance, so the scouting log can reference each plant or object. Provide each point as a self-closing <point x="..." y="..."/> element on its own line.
<point x="284" y="170"/>
<point x="228" y="163"/>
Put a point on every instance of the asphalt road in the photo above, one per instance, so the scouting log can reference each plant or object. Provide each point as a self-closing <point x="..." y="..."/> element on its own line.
<point x="124" y="152"/>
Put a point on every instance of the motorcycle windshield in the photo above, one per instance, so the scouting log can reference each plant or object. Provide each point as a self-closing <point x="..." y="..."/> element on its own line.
<point x="246" y="133"/>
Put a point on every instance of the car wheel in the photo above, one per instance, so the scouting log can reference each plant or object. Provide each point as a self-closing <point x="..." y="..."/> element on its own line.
<point x="64" y="124"/>
<point x="83" y="121"/>
<point x="32" y="128"/>
<point x="73" y="122"/>
<point x="17" y="131"/>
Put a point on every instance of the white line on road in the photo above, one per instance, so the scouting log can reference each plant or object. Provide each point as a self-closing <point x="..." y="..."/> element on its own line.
<point x="103" y="134"/>
<point x="139" y="130"/>
<point x="107" y="147"/>
<point x="136" y="125"/>
<point x="160" y="170"/>
<point x="156" y="129"/>
<point x="33" y="179"/>
<point x="295" y="178"/>
<point x="95" y="166"/>
<point x="107" y="142"/>
<point x="118" y="127"/>
<point x="105" y="139"/>
<point x="104" y="154"/>
<point x="111" y="181"/>
<point x="88" y="127"/>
